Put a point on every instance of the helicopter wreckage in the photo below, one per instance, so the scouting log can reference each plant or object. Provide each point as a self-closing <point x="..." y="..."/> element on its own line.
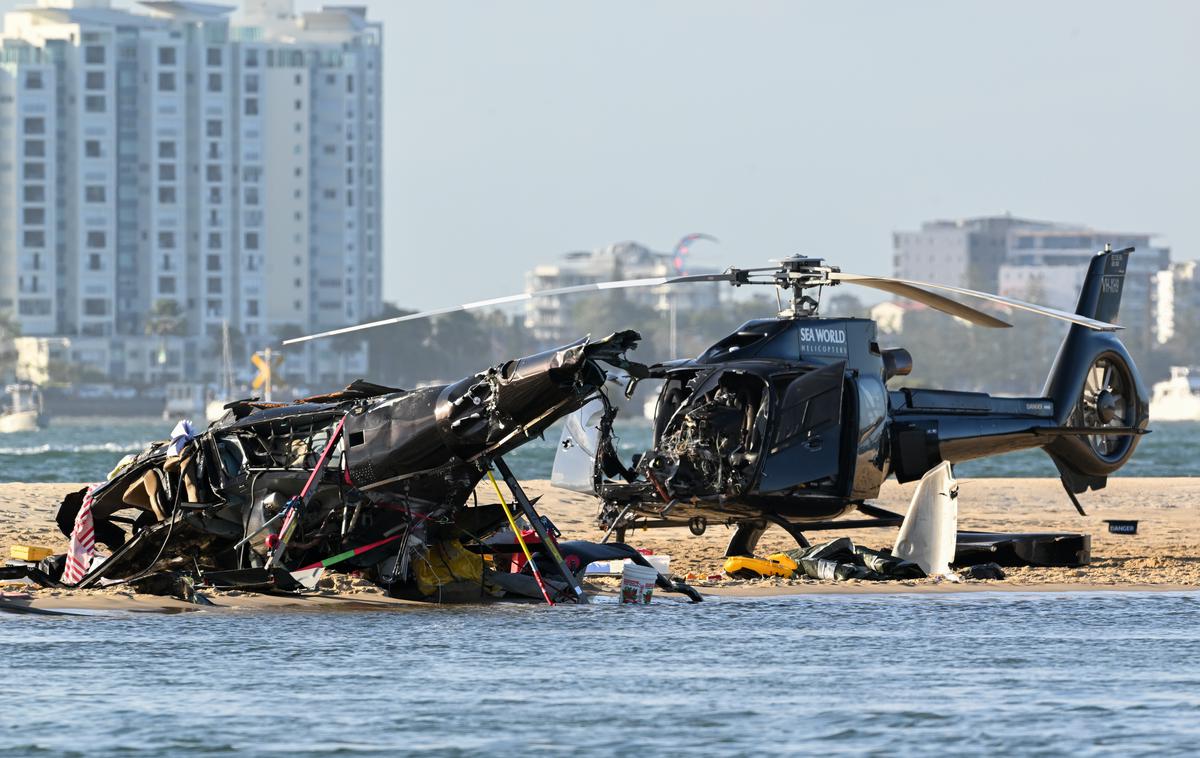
<point x="788" y="421"/>
<point x="371" y="479"/>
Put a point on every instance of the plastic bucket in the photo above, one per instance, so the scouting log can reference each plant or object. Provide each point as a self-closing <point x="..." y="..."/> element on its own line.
<point x="637" y="584"/>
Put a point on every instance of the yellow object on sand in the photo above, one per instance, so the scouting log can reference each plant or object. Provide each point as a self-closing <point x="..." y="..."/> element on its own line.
<point x="29" y="552"/>
<point x="447" y="563"/>
<point x="784" y="560"/>
<point x="745" y="567"/>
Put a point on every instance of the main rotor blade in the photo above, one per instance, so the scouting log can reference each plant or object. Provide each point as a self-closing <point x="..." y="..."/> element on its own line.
<point x="875" y="281"/>
<point x="932" y="299"/>
<point x="655" y="281"/>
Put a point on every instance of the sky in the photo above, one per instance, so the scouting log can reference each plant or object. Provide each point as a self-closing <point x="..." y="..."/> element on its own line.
<point x="517" y="131"/>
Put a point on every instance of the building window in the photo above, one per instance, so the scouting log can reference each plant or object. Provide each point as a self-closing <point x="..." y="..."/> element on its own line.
<point x="166" y="195"/>
<point x="252" y="308"/>
<point x="33" y="80"/>
<point x="214" y="82"/>
<point x="251" y="106"/>
<point x="35" y="125"/>
<point x="94" y="306"/>
<point x="166" y="81"/>
<point x="252" y="196"/>
<point x="35" y="307"/>
<point x="34" y="216"/>
<point x="34" y="238"/>
<point x="35" y="148"/>
<point x="214" y="240"/>
<point x="299" y="80"/>
<point x="212" y="128"/>
<point x="166" y="56"/>
<point x="251" y="83"/>
<point x="35" y="193"/>
<point x="94" y="80"/>
<point x="93" y="54"/>
<point x="212" y="172"/>
<point x="94" y="262"/>
<point x="166" y="285"/>
<point x="251" y="59"/>
<point x="94" y="193"/>
<point x="349" y="82"/>
<point x="212" y="56"/>
<point x="166" y="149"/>
<point x="214" y="285"/>
<point x="166" y="172"/>
<point x="166" y="240"/>
<point x="91" y="148"/>
<point x="96" y="239"/>
<point x="35" y="170"/>
<point x="251" y="240"/>
<point x="299" y="104"/>
<point x="94" y="104"/>
<point x="213" y="262"/>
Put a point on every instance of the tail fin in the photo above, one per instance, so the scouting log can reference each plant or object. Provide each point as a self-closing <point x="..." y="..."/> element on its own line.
<point x="1088" y="352"/>
<point x="1100" y="297"/>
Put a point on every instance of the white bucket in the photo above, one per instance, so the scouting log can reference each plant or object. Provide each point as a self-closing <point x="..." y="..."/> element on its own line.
<point x="637" y="584"/>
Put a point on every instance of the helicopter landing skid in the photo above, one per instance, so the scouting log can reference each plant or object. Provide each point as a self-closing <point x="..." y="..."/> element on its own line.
<point x="747" y="533"/>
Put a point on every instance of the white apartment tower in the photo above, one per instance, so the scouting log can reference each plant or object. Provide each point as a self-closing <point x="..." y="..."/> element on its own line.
<point x="167" y="170"/>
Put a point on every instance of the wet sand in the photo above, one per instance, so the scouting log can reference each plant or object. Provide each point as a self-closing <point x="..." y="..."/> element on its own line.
<point x="1164" y="555"/>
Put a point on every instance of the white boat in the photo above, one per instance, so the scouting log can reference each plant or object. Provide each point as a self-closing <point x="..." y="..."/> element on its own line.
<point x="21" y="409"/>
<point x="1177" y="398"/>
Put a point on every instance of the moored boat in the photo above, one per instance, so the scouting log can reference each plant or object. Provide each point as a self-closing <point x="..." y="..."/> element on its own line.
<point x="21" y="409"/>
<point x="1177" y="398"/>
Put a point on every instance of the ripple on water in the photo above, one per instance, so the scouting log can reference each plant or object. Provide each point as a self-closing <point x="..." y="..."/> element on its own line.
<point x="1093" y="674"/>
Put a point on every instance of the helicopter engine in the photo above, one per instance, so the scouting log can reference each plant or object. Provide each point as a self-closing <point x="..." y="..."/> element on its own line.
<point x="711" y="444"/>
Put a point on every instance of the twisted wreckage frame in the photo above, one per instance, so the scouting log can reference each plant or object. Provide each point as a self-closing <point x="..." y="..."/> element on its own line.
<point x="372" y="478"/>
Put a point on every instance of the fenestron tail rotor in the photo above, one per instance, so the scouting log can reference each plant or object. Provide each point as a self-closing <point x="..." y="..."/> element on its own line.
<point x="796" y="273"/>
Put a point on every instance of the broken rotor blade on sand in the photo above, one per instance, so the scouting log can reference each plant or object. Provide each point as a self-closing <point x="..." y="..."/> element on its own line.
<point x="919" y="291"/>
<point x="524" y="296"/>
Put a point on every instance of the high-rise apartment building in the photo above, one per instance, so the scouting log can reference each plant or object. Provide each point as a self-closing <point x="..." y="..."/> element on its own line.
<point x="1177" y="302"/>
<point x="169" y="169"/>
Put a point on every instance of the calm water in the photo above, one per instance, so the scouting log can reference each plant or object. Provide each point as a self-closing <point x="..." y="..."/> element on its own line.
<point x="86" y="449"/>
<point x="979" y="674"/>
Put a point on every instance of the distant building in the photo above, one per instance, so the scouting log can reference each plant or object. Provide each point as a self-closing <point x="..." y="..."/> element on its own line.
<point x="962" y="253"/>
<point x="169" y="161"/>
<point x="1176" y="300"/>
<point x="548" y="318"/>
<point x="889" y="315"/>
<point x="1048" y="266"/>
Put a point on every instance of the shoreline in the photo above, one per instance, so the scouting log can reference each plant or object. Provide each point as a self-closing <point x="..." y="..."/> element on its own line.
<point x="1163" y="557"/>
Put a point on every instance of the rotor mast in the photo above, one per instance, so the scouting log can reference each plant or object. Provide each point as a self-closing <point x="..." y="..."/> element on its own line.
<point x="799" y="274"/>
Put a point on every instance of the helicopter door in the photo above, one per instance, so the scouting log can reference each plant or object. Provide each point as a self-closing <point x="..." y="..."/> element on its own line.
<point x="575" y="461"/>
<point x="806" y="444"/>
